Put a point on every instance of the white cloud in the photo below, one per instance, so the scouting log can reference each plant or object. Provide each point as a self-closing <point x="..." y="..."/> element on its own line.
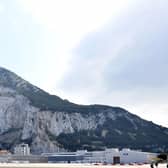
<point x="66" y="23"/>
<point x="2" y="8"/>
<point x="125" y="64"/>
<point x="51" y="39"/>
<point x="102" y="69"/>
<point x="72" y="20"/>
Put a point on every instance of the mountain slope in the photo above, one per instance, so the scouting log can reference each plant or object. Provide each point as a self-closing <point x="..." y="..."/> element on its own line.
<point x="49" y="123"/>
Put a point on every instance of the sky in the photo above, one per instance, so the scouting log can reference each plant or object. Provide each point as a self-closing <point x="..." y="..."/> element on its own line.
<point x="111" y="52"/>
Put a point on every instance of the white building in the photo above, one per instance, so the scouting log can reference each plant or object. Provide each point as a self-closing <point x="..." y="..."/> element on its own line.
<point x="112" y="156"/>
<point x="116" y="156"/>
<point x="133" y="156"/>
<point x="22" y="149"/>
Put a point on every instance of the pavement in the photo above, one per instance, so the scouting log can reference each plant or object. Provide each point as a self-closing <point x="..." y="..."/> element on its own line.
<point x="51" y="165"/>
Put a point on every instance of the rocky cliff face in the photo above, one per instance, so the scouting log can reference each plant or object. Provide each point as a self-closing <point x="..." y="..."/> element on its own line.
<point x="49" y="124"/>
<point x="32" y="124"/>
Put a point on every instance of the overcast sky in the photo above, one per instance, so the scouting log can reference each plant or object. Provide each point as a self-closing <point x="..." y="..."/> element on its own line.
<point x="110" y="52"/>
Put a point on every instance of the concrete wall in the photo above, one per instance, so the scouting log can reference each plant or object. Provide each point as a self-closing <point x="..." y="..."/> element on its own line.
<point x="129" y="156"/>
<point x="123" y="156"/>
<point x="28" y="158"/>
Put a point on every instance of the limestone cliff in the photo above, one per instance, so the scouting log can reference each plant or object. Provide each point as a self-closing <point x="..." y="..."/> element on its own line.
<point x="49" y="123"/>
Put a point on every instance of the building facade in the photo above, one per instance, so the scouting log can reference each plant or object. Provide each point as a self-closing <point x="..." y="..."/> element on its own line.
<point x="22" y="149"/>
<point x="112" y="156"/>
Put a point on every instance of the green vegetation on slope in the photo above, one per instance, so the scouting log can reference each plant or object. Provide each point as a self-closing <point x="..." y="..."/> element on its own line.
<point x="117" y="133"/>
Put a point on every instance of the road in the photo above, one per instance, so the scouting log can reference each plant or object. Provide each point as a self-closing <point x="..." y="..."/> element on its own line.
<point x="47" y="165"/>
